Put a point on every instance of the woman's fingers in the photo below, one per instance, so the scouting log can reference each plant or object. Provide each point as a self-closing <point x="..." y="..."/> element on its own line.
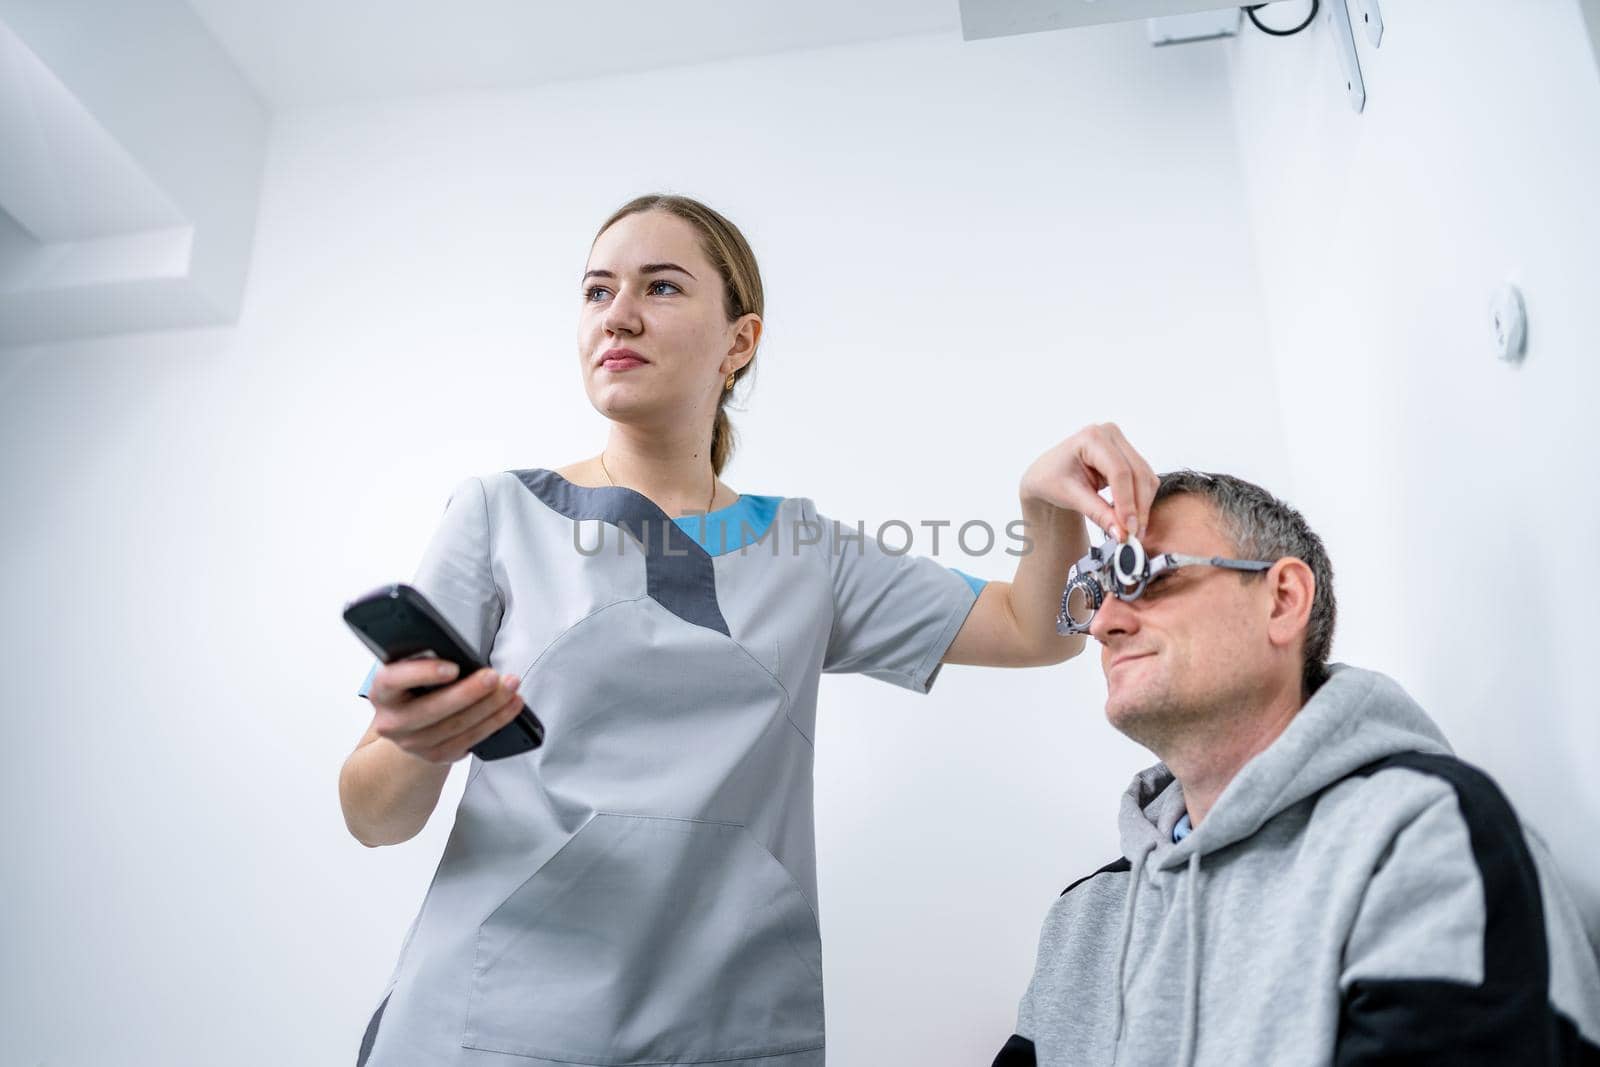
<point x="1117" y="470"/>
<point x="1101" y="462"/>
<point x="1145" y="480"/>
<point x="421" y="721"/>
<point x="393" y="681"/>
<point x="476" y="724"/>
<point x="1072" y="475"/>
<point x="1076" y="493"/>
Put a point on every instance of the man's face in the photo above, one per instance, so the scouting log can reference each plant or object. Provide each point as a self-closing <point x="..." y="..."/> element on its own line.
<point x="1194" y="647"/>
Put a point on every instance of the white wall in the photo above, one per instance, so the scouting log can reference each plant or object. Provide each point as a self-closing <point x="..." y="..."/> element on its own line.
<point x="951" y="234"/>
<point x="1455" y="492"/>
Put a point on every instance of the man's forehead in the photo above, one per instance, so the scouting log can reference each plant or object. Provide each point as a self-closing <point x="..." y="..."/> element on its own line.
<point x="1185" y="522"/>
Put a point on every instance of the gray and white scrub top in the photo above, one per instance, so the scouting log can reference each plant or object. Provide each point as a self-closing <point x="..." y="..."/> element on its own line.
<point x="642" y="888"/>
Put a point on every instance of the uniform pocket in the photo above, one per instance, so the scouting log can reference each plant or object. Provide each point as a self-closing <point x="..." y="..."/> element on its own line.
<point x="650" y="940"/>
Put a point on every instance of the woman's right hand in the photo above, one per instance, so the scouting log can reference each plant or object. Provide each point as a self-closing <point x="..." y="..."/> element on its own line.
<point x="442" y="726"/>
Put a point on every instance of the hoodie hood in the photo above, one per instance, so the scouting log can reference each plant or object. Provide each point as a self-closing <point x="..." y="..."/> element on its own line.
<point x="1355" y="717"/>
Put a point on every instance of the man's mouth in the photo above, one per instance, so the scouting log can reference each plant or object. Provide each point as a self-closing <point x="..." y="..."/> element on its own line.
<point x="1126" y="657"/>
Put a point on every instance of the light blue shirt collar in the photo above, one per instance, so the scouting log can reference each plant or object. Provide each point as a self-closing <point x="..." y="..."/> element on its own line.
<point x="741" y="523"/>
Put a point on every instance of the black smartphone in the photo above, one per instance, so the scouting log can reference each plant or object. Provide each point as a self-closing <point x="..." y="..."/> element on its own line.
<point x="396" y="622"/>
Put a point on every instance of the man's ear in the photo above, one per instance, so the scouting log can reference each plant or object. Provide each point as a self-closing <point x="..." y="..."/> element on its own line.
<point x="1292" y="587"/>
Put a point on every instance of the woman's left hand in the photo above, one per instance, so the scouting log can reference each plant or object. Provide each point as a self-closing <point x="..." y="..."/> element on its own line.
<point x="1071" y="475"/>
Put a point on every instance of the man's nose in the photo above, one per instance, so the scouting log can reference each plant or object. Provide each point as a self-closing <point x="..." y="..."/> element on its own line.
<point x="1113" y="617"/>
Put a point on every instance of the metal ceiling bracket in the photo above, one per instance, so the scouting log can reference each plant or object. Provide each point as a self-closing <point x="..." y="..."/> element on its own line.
<point x="1344" y="39"/>
<point x="1372" y="21"/>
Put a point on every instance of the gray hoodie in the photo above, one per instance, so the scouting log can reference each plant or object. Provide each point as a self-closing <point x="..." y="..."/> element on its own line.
<point x="1356" y="895"/>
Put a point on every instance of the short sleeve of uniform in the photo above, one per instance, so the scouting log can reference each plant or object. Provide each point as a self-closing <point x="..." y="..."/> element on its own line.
<point x="894" y="615"/>
<point x="455" y="574"/>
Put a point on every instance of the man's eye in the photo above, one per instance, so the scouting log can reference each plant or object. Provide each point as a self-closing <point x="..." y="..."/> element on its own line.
<point x="669" y="285"/>
<point x="1156" y="581"/>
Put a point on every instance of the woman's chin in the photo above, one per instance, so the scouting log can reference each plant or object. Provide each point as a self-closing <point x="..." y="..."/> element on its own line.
<point x="620" y="403"/>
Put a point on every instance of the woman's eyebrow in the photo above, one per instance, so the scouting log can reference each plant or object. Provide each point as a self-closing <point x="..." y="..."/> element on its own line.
<point x="654" y="268"/>
<point x="648" y="268"/>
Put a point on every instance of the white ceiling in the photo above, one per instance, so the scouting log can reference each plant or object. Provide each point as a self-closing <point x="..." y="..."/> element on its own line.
<point x="309" y="52"/>
<point x="131" y="153"/>
<point x="47" y="133"/>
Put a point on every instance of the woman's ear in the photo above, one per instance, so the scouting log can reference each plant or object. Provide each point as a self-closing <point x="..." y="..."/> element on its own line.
<point x="742" y="347"/>
<point x="1292" y="587"/>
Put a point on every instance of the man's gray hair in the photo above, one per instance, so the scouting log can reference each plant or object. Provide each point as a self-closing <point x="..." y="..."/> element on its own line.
<point x="1263" y="527"/>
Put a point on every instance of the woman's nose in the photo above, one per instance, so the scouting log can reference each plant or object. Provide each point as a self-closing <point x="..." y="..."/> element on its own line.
<point x="622" y="315"/>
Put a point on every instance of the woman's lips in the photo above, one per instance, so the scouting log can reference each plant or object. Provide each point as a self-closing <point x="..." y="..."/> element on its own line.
<point x="622" y="364"/>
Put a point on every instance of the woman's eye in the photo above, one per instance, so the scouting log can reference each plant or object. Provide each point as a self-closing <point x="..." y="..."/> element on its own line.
<point x="595" y="293"/>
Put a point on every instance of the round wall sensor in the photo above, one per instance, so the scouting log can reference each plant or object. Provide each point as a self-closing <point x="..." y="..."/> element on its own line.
<point x="1509" y="318"/>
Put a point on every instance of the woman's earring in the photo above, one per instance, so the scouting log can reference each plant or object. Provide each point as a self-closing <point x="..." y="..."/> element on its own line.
<point x="728" y="384"/>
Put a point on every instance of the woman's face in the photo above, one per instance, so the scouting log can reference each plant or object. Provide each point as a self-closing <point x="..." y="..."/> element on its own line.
<point x="654" y="340"/>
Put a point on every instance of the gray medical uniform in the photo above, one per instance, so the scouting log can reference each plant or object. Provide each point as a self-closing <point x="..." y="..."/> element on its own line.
<point x="642" y="888"/>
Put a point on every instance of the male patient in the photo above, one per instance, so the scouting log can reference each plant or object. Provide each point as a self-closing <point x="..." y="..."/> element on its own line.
<point x="1308" y="875"/>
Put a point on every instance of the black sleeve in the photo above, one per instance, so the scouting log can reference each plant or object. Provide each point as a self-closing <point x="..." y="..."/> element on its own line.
<point x="1508" y="1018"/>
<point x="1018" y="1052"/>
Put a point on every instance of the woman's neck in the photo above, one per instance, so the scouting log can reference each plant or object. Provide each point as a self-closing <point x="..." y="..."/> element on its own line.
<point x="675" y="474"/>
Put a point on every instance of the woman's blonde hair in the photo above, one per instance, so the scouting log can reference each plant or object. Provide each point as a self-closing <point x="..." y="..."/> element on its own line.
<point x="730" y="253"/>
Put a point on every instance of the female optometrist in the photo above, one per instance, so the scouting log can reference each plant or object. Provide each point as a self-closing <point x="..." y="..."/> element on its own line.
<point x="642" y="888"/>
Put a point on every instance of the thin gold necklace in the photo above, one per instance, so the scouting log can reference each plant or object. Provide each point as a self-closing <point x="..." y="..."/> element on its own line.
<point x="613" y="481"/>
